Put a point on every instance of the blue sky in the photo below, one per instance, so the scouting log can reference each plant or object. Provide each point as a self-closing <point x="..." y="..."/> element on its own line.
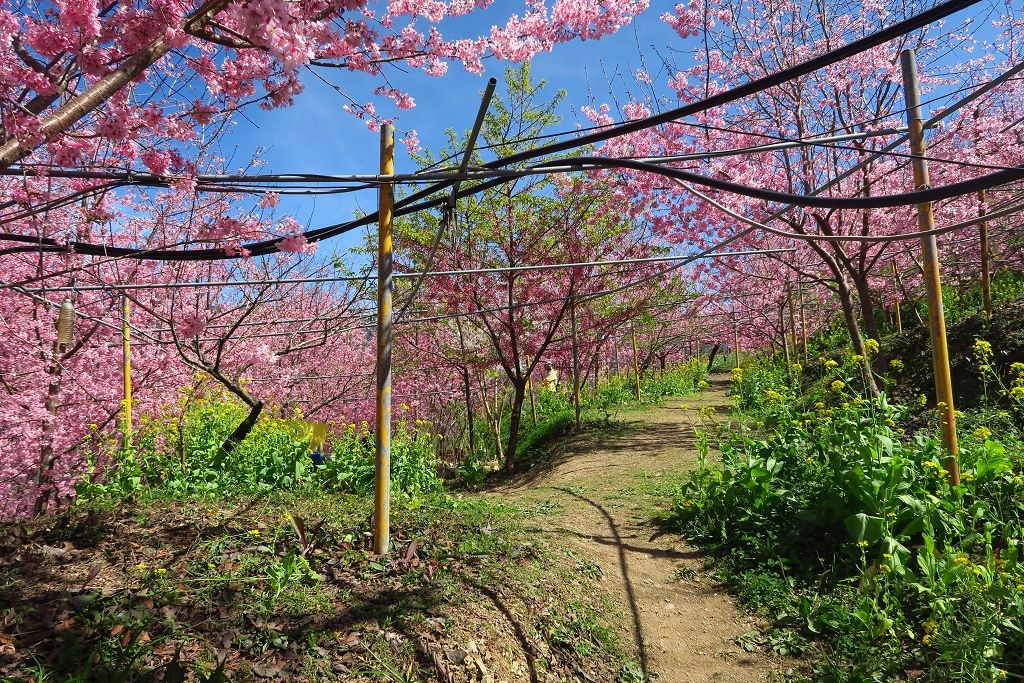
<point x="316" y="136"/>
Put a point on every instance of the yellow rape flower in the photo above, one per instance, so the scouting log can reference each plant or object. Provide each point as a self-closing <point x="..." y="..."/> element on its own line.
<point x="838" y="385"/>
<point x="871" y="346"/>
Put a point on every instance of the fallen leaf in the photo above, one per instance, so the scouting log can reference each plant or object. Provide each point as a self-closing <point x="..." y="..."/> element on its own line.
<point x="270" y="669"/>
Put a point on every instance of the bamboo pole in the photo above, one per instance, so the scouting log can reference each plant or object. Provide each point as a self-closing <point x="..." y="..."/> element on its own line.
<point x="803" y="324"/>
<point x="533" y="400"/>
<point x="636" y="361"/>
<point x="575" y="366"/>
<point x="930" y="259"/>
<point x="385" y="283"/>
<point x="126" y="371"/>
<point x="785" y="344"/>
<point x="736" y="339"/>
<point x="896" y="293"/>
<point x="986" y="275"/>
<point x="792" y="321"/>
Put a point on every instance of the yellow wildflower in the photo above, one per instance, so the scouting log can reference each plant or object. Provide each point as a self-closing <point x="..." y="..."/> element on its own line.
<point x="838" y="385"/>
<point x="871" y="346"/>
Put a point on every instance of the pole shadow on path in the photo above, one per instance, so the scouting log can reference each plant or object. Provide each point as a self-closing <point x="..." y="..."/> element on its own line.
<point x="627" y="583"/>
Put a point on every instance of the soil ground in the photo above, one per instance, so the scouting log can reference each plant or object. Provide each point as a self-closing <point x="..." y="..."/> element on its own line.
<point x="601" y="497"/>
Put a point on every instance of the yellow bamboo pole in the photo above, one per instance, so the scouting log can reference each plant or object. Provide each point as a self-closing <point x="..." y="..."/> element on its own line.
<point x="736" y="339"/>
<point x="986" y="275"/>
<point x="636" y="361"/>
<point x="533" y="400"/>
<point x="803" y="324"/>
<point x="792" y="321"/>
<point x="930" y="258"/>
<point x="126" y="370"/>
<point x="575" y="367"/>
<point x="382" y="461"/>
<point x="896" y="291"/>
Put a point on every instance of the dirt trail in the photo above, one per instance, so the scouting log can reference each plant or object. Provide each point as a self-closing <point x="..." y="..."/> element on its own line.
<point x="600" y="497"/>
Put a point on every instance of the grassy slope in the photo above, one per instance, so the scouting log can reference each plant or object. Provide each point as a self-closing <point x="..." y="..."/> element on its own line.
<point x="127" y="594"/>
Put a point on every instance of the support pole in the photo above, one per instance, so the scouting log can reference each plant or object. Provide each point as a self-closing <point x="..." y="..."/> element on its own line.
<point x="896" y="293"/>
<point x="382" y="463"/>
<point x="986" y="274"/>
<point x="803" y="323"/>
<point x="126" y="370"/>
<point x="736" y="339"/>
<point x="636" y="361"/>
<point x="792" y="321"/>
<point x="930" y="259"/>
<point x="575" y="366"/>
<point x="785" y="344"/>
<point x="533" y="400"/>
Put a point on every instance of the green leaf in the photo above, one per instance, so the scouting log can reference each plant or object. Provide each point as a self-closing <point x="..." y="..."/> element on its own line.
<point x="864" y="527"/>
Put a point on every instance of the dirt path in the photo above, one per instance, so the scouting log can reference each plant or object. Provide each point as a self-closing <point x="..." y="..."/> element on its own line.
<point x="600" y="498"/>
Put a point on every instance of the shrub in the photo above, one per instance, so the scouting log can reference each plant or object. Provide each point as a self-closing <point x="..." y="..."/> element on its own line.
<point x="865" y="522"/>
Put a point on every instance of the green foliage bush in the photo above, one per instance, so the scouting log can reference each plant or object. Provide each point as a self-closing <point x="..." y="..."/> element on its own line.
<point x="899" y="569"/>
<point x="680" y="380"/>
<point x="273" y="457"/>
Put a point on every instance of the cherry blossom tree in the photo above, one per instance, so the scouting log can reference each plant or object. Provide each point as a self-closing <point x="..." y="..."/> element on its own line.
<point x="523" y="223"/>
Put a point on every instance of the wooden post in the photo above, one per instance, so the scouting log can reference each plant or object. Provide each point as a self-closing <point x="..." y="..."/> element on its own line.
<point x="575" y="366"/>
<point x="896" y="293"/>
<point x="930" y="259"/>
<point x="385" y="283"/>
<point x="792" y="321"/>
<point x="986" y="275"/>
<point x="803" y="323"/>
<point x="785" y="343"/>
<point x="533" y="400"/>
<point x="636" y="361"/>
<point x="736" y="339"/>
<point x="126" y="371"/>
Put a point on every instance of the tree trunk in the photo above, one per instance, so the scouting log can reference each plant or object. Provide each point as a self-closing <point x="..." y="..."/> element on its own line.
<point x="44" y="476"/>
<point x="518" y="395"/>
<point x="850" y="315"/>
<point x="241" y="431"/>
<point x="867" y="307"/>
<point x="711" y="356"/>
